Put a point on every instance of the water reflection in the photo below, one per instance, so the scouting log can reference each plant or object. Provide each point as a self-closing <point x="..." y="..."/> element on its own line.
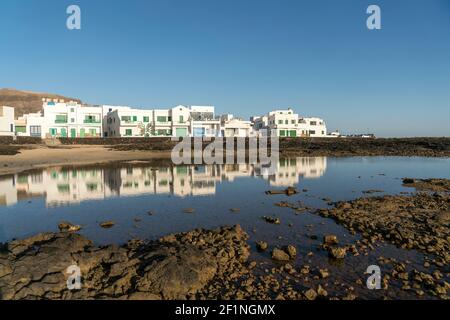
<point x="62" y="186"/>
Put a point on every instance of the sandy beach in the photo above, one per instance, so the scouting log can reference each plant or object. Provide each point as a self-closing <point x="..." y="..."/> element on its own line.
<point x="42" y="156"/>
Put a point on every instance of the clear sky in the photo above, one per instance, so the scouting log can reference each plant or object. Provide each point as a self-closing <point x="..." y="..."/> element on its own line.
<point x="245" y="57"/>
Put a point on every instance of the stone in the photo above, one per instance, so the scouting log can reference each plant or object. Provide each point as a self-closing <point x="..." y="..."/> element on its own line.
<point x="330" y="239"/>
<point x="280" y="255"/>
<point x="291" y="251"/>
<point x="310" y="294"/>
<point x="107" y="224"/>
<point x="337" y="253"/>
<point x="261" y="245"/>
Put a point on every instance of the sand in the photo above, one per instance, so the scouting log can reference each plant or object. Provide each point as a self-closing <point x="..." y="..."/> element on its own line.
<point x="42" y="156"/>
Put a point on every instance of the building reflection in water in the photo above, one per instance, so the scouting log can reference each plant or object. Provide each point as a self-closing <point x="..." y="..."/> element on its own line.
<point x="62" y="186"/>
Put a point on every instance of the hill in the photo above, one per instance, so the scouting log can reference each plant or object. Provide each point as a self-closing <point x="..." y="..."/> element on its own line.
<point x="26" y="101"/>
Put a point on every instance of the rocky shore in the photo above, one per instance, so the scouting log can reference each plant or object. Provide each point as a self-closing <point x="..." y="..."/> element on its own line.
<point x="223" y="263"/>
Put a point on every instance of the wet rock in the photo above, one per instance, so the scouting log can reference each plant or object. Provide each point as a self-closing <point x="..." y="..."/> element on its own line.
<point x="176" y="269"/>
<point x="288" y="191"/>
<point x="189" y="210"/>
<point x="280" y="255"/>
<point x="337" y="253"/>
<point x="68" y="227"/>
<point x="291" y="251"/>
<point x="107" y="224"/>
<point x="330" y="239"/>
<point x="235" y="210"/>
<point x="310" y="294"/>
<point x="321" y="291"/>
<point x="324" y="273"/>
<point x="262" y="245"/>
<point x="272" y="220"/>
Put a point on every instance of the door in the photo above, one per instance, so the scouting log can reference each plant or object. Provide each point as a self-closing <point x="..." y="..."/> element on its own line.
<point x="181" y="132"/>
<point x="82" y="133"/>
<point x="64" y="132"/>
<point x="73" y="133"/>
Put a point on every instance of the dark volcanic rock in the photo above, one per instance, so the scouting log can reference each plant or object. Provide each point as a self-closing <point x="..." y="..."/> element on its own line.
<point x="175" y="267"/>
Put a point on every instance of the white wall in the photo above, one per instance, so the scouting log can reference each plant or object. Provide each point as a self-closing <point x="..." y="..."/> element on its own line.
<point x="6" y="121"/>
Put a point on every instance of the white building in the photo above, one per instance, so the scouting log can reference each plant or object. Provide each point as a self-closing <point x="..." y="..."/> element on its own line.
<point x="312" y="127"/>
<point x="179" y="121"/>
<point x="287" y="123"/>
<point x="6" y="121"/>
<point x="234" y="127"/>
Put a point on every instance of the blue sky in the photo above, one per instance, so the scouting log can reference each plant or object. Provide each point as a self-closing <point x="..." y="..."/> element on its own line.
<point x="246" y="57"/>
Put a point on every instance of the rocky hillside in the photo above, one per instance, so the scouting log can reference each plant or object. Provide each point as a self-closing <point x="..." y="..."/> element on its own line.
<point x="26" y="101"/>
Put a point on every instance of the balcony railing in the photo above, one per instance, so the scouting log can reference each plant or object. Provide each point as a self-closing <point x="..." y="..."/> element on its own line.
<point x="61" y="120"/>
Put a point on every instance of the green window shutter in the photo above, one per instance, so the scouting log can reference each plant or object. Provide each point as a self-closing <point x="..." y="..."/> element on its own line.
<point x="282" y="133"/>
<point x="146" y="119"/>
<point x="161" y="119"/>
<point x="128" y="132"/>
<point x="21" y="129"/>
<point x="280" y="121"/>
<point x="134" y="118"/>
<point x="181" y="120"/>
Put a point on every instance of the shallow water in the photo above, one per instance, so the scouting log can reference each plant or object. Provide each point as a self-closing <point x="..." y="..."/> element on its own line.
<point x="37" y="201"/>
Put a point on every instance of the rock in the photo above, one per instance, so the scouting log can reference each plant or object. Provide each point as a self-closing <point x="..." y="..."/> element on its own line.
<point x="272" y="220"/>
<point x="280" y="255"/>
<point x="235" y="209"/>
<point x="189" y="210"/>
<point x="310" y="294"/>
<point x="68" y="227"/>
<point x="291" y="251"/>
<point x="408" y="181"/>
<point x="178" y="269"/>
<point x="321" y="291"/>
<point x="107" y="224"/>
<point x="337" y="253"/>
<point x="330" y="239"/>
<point x="262" y="245"/>
<point x="324" y="273"/>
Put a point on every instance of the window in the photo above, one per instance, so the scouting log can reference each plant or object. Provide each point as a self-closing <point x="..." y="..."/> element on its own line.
<point x="21" y="129"/>
<point x="128" y="132"/>
<point x="161" y="119"/>
<point x="313" y="123"/>
<point x="125" y="118"/>
<point x="146" y="119"/>
<point x="312" y="132"/>
<point x="72" y="110"/>
<point x="280" y="121"/>
<point x="323" y="132"/>
<point x="72" y="120"/>
<point x="134" y="118"/>
<point x="53" y="131"/>
<point x="181" y="119"/>
<point x="61" y="118"/>
<point x="293" y="121"/>
<point x="286" y="121"/>
<point x="282" y="133"/>
<point x="169" y="119"/>
<point x="92" y="132"/>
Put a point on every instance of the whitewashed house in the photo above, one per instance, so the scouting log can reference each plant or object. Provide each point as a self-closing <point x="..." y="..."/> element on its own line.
<point x="71" y="119"/>
<point x="234" y="127"/>
<point x="6" y="121"/>
<point x="312" y="127"/>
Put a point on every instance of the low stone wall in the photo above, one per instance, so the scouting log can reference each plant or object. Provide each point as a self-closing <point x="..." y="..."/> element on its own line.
<point x="7" y="140"/>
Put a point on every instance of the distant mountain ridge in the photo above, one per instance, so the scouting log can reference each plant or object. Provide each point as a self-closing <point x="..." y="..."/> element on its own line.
<point x="27" y="101"/>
